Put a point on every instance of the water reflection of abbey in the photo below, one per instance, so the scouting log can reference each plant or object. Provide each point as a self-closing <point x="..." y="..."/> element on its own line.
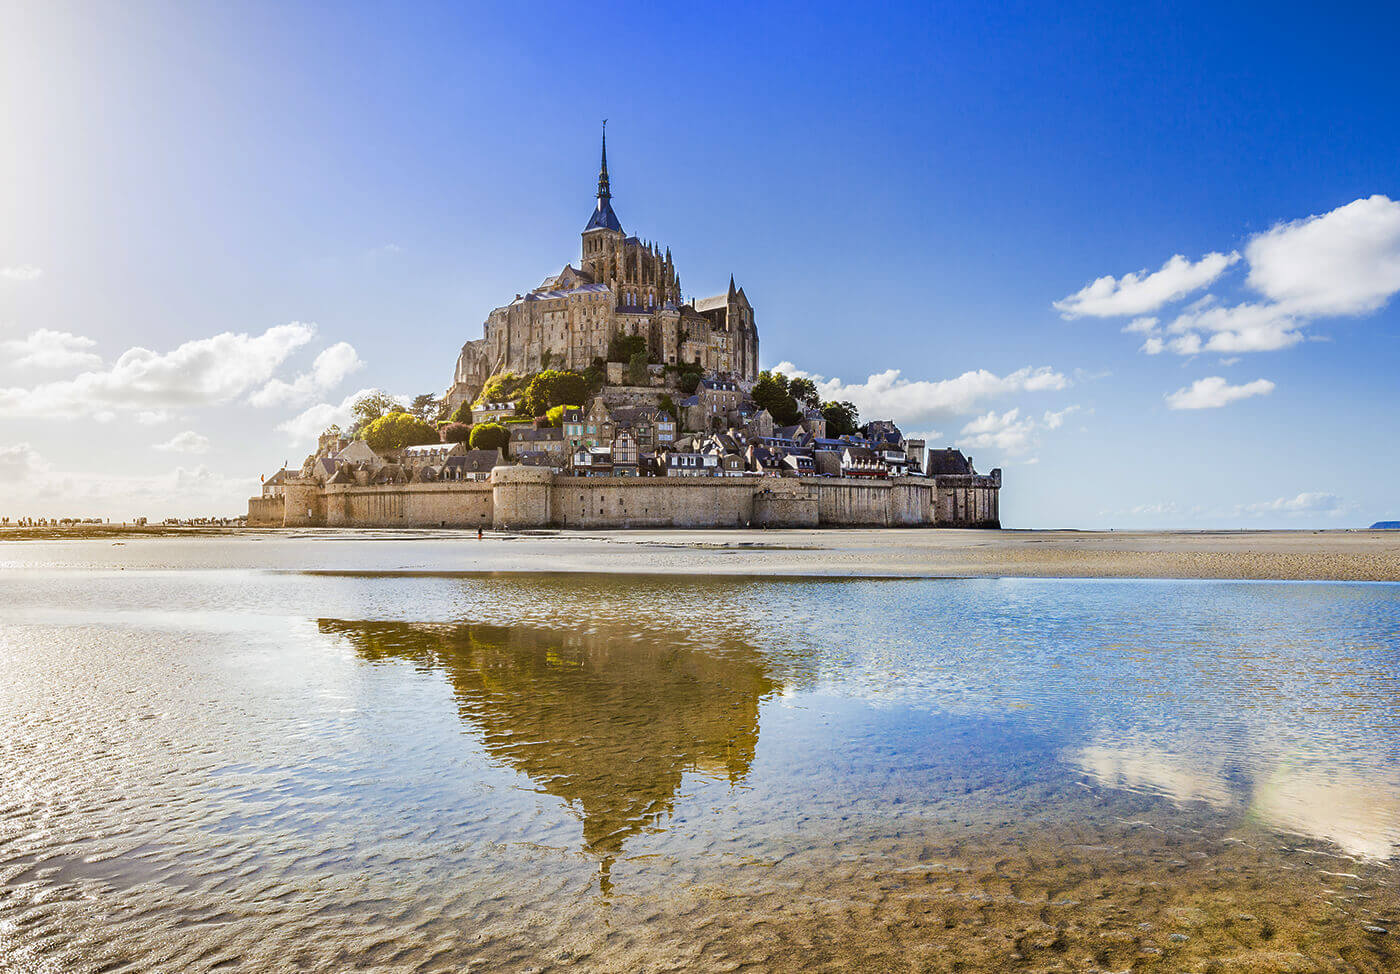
<point x="607" y="723"/>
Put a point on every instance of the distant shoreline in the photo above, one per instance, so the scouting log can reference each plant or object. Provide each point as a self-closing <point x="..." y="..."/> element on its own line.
<point x="1330" y="555"/>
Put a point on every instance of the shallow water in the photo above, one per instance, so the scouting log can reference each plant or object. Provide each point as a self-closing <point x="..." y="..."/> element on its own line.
<point x="381" y="769"/>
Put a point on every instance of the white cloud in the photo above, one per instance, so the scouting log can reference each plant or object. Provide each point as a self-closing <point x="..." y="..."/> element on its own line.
<point x="1011" y="432"/>
<point x="1238" y="328"/>
<point x="330" y="369"/>
<point x="154" y="417"/>
<point x="1344" y="262"/>
<point x="308" y="424"/>
<point x="47" y="349"/>
<point x="888" y="395"/>
<point x="1302" y="504"/>
<point x="19" y="463"/>
<point x="187" y="442"/>
<point x="35" y="488"/>
<point x="1214" y="392"/>
<point x="203" y="372"/>
<point x="1141" y="293"/>
<point x="21" y="272"/>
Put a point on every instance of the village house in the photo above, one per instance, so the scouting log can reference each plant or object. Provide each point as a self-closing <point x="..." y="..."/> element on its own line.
<point x="527" y="439"/>
<point x="492" y="412"/>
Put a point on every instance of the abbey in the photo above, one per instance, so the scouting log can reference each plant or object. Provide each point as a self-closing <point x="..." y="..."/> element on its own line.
<point x="623" y="286"/>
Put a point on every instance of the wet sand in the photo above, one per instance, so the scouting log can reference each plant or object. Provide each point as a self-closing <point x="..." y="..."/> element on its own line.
<point x="1264" y="555"/>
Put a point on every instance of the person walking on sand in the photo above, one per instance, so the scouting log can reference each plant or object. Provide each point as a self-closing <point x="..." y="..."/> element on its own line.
<point x="478" y="532"/>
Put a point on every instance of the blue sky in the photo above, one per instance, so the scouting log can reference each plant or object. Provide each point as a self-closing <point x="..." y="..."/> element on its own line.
<point x="924" y="188"/>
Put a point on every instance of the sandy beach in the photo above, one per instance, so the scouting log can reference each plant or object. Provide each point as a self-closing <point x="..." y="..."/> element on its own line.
<point x="1300" y="555"/>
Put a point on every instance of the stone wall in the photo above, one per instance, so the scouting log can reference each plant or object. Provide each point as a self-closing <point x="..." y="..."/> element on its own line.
<point x="651" y="502"/>
<point x="464" y="504"/>
<point x="535" y="497"/>
<point x="266" y="512"/>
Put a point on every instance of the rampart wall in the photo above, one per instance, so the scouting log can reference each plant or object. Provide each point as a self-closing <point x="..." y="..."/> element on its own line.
<point x="535" y="497"/>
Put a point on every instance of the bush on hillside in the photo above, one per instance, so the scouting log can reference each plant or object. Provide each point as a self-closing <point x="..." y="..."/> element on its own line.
<point x="455" y="432"/>
<point x="396" y="430"/>
<point x="489" y="436"/>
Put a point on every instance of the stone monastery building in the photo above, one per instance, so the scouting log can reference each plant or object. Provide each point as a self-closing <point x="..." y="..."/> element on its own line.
<point x="623" y="285"/>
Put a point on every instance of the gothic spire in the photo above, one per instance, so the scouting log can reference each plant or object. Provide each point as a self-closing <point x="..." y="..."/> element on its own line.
<point x="603" y="216"/>
<point x="603" y="192"/>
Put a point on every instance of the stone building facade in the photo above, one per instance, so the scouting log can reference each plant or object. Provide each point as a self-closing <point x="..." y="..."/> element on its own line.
<point x="624" y="285"/>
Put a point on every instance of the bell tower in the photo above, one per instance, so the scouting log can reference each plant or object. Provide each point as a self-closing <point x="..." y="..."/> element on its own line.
<point x="602" y="237"/>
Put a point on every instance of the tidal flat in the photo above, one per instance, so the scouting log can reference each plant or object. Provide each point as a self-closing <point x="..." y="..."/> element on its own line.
<point x="329" y="754"/>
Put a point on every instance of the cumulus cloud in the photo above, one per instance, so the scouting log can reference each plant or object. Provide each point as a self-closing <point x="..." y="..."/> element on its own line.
<point x="1345" y="262"/>
<point x="34" y="487"/>
<point x="1011" y="432"/>
<point x="332" y="367"/>
<point x="21" y="272"/>
<point x="909" y="401"/>
<point x="1142" y="293"/>
<point x="203" y="372"/>
<point x="187" y="442"/>
<point x="1239" y="328"/>
<point x="1214" y="392"/>
<point x="1299" y="505"/>
<point x="308" y="424"/>
<point x="19" y="463"/>
<point x="47" y="349"/>
<point x="1342" y="263"/>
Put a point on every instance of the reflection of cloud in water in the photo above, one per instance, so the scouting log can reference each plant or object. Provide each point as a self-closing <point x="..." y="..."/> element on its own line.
<point x="1360" y="813"/>
<point x="604" y="720"/>
<point x="1357" y="810"/>
<point x="1142" y="767"/>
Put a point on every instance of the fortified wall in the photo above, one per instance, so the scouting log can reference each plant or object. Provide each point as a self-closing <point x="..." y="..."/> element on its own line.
<point x="536" y="497"/>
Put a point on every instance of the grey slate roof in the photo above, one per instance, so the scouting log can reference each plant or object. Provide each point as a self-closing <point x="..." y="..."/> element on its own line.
<point x="603" y="218"/>
<point x="529" y="435"/>
<point x="473" y="461"/>
<point x="948" y="461"/>
<point x="550" y="295"/>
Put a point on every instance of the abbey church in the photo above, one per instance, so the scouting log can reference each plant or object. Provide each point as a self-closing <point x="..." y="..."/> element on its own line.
<point x="623" y="286"/>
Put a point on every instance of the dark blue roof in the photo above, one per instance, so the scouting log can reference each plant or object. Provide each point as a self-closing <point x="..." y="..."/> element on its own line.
<point x="603" y="217"/>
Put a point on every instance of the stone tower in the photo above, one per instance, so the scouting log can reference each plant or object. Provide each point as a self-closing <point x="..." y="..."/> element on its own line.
<point x="602" y="237"/>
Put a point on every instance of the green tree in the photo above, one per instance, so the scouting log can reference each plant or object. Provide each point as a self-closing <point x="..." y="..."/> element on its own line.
<point x="805" y="392"/>
<point x="370" y="407"/>
<point x="501" y="388"/>
<point x="668" y="406"/>
<point x="552" y="388"/>
<point x="622" y="347"/>
<point x="332" y="430"/>
<point x="424" y="406"/>
<point x="770" y="392"/>
<point x="394" y="431"/>
<point x="637" y="369"/>
<point x="555" y="416"/>
<point x="689" y="379"/>
<point x="455" y="432"/>
<point x="489" y="436"/>
<point x="596" y="375"/>
<point x="841" y="418"/>
<point x="462" y="414"/>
